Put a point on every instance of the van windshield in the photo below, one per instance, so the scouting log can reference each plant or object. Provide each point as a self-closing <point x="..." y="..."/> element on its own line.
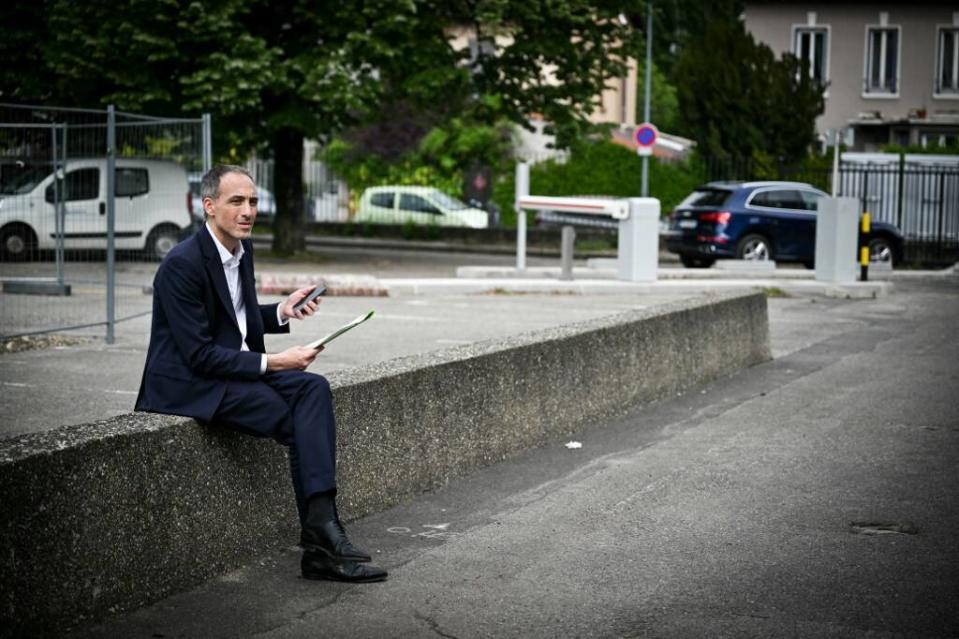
<point x="16" y="179"/>
<point x="447" y="202"/>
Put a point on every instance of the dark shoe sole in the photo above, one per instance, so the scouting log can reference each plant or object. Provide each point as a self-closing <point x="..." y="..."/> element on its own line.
<point x="328" y="576"/>
<point x="337" y="558"/>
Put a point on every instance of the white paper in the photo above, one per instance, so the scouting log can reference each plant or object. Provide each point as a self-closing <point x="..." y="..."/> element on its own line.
<point x="332" y="336"/>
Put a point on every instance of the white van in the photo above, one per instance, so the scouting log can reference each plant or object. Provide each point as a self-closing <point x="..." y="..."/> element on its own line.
<point x="152" y="207"/>
<point x="418" y="204"/>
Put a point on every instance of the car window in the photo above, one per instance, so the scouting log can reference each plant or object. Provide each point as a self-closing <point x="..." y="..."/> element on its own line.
<point x="82" y="184"/>
<point x="811" y="200"/>
<point x="131" y="182"/>
<point x="410" y="202"/>
<point x="706" y="197"/>
<point x="447" y="202"/>
<point x="779" y="199"/>
<point x="382" y="199"/>
<point x="17" y="178"/>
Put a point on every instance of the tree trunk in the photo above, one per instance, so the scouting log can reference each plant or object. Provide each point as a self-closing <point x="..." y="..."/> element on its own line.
<point x="289" y="224"/>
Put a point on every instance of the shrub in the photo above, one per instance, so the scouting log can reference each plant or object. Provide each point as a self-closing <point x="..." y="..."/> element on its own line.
<point x="603" y="168"/>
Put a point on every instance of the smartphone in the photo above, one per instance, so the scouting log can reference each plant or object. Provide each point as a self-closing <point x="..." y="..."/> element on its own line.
<point x="312" y="295"/>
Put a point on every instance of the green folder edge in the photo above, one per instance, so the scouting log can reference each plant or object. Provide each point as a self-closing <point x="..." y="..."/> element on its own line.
<point x="323" y="341"/>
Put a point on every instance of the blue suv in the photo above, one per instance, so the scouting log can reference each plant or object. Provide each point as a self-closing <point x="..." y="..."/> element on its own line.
<point x="758" y="221"/>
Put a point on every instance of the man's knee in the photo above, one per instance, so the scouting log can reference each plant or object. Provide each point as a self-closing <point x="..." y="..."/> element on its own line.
<point x="319" y="384"/>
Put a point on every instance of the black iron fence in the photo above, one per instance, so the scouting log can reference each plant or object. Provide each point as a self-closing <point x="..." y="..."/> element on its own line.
<point x="918" y="195"/>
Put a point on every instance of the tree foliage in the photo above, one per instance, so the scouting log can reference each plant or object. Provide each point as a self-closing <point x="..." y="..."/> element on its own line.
<point x="273" y="72"/>
<point x="739" y="101"/>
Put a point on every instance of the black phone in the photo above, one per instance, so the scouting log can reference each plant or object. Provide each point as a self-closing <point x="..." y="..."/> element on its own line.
<point x="312" y="295"/>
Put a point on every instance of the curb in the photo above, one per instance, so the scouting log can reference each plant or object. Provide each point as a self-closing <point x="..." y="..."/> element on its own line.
<point x="105" y="517"/>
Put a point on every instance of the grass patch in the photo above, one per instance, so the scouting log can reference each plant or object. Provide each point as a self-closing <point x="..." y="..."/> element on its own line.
<point x="774" y="291"/>
<point x="596" y="245"/>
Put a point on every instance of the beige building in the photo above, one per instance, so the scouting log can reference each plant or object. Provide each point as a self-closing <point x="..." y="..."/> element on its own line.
<point x="891" y="69"/>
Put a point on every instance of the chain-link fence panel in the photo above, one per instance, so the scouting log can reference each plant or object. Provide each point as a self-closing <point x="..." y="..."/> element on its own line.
<point x="91" y="201"/>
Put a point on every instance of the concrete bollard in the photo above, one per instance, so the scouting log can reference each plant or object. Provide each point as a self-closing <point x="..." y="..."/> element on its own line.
<point x="522" y="190"/>
<point x="837" y="227"/>
<point x="639" y="241"/>
<point x="567" y="246"/>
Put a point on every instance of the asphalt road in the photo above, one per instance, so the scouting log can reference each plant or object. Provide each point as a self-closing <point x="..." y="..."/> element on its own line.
<point x="812" y="496"/>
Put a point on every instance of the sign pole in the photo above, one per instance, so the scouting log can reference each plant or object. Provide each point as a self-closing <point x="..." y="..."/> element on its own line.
<point x="649" y="77"/>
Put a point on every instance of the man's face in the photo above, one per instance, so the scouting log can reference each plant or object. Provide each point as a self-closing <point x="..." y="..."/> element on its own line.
<point x="232" y="213"/>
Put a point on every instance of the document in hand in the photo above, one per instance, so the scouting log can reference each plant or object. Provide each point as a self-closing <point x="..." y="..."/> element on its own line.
<point x="332" y="336"/>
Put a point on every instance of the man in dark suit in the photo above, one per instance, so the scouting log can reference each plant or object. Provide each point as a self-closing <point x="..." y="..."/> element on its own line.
<point x="207" y="360"/>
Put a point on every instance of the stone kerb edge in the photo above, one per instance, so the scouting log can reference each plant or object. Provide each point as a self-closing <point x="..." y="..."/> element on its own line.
<point x="112" y="515"/>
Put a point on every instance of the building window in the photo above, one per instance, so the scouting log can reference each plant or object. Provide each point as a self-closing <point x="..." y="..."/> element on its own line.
<point x="882" y="60"/>
<point x="947" y="61"/>
<point x="811" y="46"/>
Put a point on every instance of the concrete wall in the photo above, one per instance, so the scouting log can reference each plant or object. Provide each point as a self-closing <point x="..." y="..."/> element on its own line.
<point x="773" y="24"/>
<point x="112" y="515"/>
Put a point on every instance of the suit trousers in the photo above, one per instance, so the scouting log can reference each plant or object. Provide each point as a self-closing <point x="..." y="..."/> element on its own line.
<point x="295" y="408"/>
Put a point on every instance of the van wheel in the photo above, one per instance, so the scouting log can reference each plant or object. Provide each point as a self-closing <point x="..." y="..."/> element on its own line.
<point x="18" y="243"/>
<point x="755" y="248"/>
<point x="161" y="241"/>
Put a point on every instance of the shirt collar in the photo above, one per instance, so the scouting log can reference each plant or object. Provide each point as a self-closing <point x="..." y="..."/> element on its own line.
<point x="225" y="256"/>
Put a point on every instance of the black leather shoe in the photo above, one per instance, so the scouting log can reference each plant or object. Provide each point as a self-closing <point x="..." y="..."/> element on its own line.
<point x="318" y="566"/>
<point x="329" y="539"/>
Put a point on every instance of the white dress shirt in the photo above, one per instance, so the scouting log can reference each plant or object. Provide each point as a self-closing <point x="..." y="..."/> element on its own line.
<point x="231" y="269"/>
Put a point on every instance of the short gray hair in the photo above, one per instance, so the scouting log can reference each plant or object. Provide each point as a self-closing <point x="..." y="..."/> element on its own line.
<point x="210" y="185"/>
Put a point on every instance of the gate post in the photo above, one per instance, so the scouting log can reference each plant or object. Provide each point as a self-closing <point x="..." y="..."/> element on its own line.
<point x="111" y="218"/>
<point x="638" y="242"/>
<point x="207" y="143"/>
<point x="837" y="228"/>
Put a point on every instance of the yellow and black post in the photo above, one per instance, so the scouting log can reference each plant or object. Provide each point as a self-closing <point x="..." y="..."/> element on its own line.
<point x="865" y="229"/>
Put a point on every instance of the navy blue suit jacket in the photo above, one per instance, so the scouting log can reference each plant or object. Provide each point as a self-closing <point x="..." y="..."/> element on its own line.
<point x="195" y="339"/>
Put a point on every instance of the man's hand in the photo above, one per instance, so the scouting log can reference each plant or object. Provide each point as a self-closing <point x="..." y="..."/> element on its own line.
<point x="296" y="358"/>
<point x="286" y="308"/>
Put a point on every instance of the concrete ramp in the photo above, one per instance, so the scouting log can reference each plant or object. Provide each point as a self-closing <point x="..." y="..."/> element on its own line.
<point x="104" y="517"/>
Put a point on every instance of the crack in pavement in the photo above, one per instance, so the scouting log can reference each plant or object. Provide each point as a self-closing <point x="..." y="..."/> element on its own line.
<point x="432" y="624"/>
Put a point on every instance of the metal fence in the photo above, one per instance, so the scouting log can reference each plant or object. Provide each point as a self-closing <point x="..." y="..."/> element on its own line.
<point x="919" y="194"/>
<point x="326" y="196"/>
<point x="90" y="200"/>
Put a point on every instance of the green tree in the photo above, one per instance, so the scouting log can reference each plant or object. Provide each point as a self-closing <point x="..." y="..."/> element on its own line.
<point x="273" y="72"/>
<point x="739" y="101"/>
<point x="663" y="102"/>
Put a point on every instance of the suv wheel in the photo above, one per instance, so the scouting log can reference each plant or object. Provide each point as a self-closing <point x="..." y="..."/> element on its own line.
<point x="161" y="241"/>
<point x="755" y="248"/>
<point x="881" y="250"/>
<point x="692" y="261"/>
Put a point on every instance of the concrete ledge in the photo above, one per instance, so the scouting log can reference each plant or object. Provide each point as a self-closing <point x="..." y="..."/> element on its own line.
<point x="548" y="285"/>
<point x="109" y="516"/>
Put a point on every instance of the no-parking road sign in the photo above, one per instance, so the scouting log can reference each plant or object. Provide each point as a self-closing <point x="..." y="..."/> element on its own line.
<point x="645" y="136"/>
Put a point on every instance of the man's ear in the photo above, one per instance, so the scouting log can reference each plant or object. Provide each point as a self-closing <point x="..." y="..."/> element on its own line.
<point x="207" y="205"/>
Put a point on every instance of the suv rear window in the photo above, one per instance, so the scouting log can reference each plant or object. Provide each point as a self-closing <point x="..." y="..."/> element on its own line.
<point x="706" y="197"/>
